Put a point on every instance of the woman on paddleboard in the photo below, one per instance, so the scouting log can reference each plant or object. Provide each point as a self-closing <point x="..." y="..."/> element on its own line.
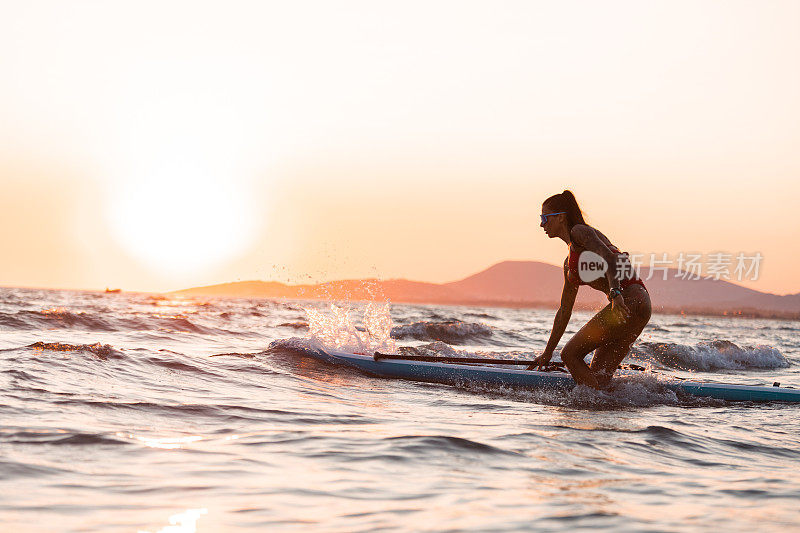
<point x="610" y="332"/>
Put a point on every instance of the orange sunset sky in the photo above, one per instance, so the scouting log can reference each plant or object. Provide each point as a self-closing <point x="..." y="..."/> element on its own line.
<point x="162" y="145"/>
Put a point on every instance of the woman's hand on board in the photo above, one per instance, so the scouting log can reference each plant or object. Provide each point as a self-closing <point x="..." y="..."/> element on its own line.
<point x="541" y="361"/>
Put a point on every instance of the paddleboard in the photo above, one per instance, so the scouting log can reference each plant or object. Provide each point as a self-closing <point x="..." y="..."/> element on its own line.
<point x="454" y="373"/>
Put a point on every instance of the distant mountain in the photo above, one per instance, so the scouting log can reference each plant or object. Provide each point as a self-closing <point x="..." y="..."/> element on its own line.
<point x="675" y="292"/>
<point x="529" y="281"/>
<point x="524" y="284"/>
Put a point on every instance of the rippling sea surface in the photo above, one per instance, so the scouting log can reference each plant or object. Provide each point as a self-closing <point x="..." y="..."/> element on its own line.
<point x="131" y="412"/>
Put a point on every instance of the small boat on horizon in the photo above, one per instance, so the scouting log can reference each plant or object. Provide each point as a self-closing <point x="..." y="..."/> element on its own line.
<point x="113" y="291"/>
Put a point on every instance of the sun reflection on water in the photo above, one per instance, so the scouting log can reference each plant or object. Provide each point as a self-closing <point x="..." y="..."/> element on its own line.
<point x="164" y="443"/>
<point x="185" y="522"/>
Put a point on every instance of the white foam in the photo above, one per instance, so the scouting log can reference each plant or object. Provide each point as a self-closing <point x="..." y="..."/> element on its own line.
<point x="637" y="389"/>
<point x="710" y="356"/>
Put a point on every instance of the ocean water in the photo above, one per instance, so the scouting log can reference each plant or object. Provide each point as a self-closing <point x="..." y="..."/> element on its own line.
<point x="134" y="413"/>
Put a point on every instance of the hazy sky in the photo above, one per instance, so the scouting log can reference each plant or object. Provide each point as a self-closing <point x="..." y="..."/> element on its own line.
<point x="160" y="145"/>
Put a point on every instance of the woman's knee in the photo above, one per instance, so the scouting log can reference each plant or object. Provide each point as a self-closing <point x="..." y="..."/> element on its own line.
<point x="569" y="358"/>
<point x="643" y="309"/>
<point x="571" y="351"/>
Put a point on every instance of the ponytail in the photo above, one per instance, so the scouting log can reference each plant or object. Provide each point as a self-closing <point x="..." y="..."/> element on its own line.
<point x="566" y="202"/>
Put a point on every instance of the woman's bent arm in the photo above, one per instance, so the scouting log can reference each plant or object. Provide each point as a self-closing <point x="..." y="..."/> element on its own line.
<point x="559" y="326"/>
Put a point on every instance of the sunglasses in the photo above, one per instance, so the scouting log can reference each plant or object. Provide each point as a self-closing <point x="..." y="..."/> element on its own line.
<point x="544" y="217"/>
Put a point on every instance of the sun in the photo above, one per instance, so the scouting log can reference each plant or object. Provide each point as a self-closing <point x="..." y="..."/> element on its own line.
<point x="184" y="153"/>
<point x="182" y="220"/>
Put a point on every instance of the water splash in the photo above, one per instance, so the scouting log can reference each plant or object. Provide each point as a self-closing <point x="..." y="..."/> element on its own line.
<point x="338" y="330"/>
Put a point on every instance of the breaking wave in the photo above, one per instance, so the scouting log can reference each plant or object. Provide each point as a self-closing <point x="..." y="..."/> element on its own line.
<point x="451" y="332"/>
<point x="709" y="356"/>
<point x="104" y="351"/>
